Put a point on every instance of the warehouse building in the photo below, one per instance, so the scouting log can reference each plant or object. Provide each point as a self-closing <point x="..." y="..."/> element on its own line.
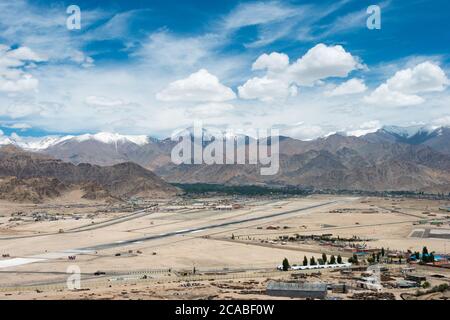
<point x="297" y="290"/>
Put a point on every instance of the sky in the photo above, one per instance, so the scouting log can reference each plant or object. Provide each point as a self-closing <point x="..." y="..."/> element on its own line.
<point x="307" y="68"/>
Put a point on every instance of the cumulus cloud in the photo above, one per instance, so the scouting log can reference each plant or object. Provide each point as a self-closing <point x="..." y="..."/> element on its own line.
<point x="384" y="96"/>
<point x="12" y="62"/>
<point x="265" y="89"/>
<point x="403" y="88"/>
<point x="272" y="62"/>
<point x="424" y="77"/>
<point x="26" y="82"/>
<point x="320" y="62"/>
<point x="351" y="86"/>
<point x="24" y="54"/>
<point x="200" y="86"/>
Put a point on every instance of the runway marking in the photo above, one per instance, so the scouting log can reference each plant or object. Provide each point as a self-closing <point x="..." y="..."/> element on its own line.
<point x="18" y="262"/>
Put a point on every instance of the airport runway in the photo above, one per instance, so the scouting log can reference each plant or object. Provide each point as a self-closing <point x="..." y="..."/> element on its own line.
<point x="87" y="250"/>
<point x="198" y="229"/>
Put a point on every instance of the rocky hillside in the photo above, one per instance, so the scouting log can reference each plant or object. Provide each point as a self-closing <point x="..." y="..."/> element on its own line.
<point x="120" y="180"/>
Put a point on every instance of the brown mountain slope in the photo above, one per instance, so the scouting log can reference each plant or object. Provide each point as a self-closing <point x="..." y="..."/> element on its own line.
<point x="120" y="180"/>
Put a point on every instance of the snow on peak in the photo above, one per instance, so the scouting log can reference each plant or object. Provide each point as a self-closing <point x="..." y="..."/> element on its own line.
<point x="107" y="137"/>
<point x="409" y="132"/>
<point x="42" y="143"/>
<point x="32" y="143"/>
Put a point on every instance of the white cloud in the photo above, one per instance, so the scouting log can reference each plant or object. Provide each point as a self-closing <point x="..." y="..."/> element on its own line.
<point x="99" y="101"/>
<point x="321" y="62"/>
<point x="403" y="88"/>
<point x="302" y="131"/>
<point x="265" y="89"/>
<point x="200" y="86"/>
<point x="22" y="110"/>
<point x="365" y="128"/>
<point x="168" y="50"/>
<point x="25" y="54"/>
<point x="256" y="13"/>
<point x="25" y="83"/>
<point x="272" y="62"/>
<point x="282" y="79"/>
<point x="442" y="122"/>
<point x="17" y="125"/>
<point x="424" y="77"/>
<point x="12" y="62"/>
<point x="351" y="86"/>
<point x="209" y="110"/>
<point x="385" y="97"/>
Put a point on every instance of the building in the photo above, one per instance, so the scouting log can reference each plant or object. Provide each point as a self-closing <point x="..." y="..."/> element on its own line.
<point x="223" y="207"/>
<point x="406" y="284"/>
<point x="305" y="290"/>
<point x="339" y="288"/>
<point x="415" y="277"/>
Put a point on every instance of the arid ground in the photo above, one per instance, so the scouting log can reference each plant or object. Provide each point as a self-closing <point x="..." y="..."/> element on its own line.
<point x="187" y="248"/>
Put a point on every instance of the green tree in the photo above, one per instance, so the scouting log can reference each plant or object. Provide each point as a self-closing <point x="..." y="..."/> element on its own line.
<point x="324" y="258"/>
<point x="431" y="257"/>
<point x="332" y="260"/>
<point x="425" y="251"/>
<point x="312" y="261"/>
<point x="417" y="255"/>
<point x="382" y="252"/>
<point x="339" y="259"/>
<point x="286" y="265"/>
<point x="305" y="261"/>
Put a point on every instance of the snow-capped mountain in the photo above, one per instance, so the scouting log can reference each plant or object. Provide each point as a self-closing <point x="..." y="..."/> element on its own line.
<point x="43" y="143"/>
<point x="33" y="143"/>
<point x="414" y="135"/>
<point x="107" y="137"/>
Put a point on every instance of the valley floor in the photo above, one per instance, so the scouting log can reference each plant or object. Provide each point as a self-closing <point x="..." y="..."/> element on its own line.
<point x="221" y="247"/>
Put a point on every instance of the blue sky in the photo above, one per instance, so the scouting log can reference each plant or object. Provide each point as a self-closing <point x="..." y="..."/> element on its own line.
<point x="308" y="68"/>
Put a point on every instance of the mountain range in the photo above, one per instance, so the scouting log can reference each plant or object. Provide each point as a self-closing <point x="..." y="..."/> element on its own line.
<point x="392" y="158"/>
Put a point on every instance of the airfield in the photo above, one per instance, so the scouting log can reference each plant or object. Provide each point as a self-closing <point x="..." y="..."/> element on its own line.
<point x="199" y="248"/>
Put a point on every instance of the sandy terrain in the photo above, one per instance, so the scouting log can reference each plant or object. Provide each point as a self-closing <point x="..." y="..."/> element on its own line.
<point x="179" y="236"/>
